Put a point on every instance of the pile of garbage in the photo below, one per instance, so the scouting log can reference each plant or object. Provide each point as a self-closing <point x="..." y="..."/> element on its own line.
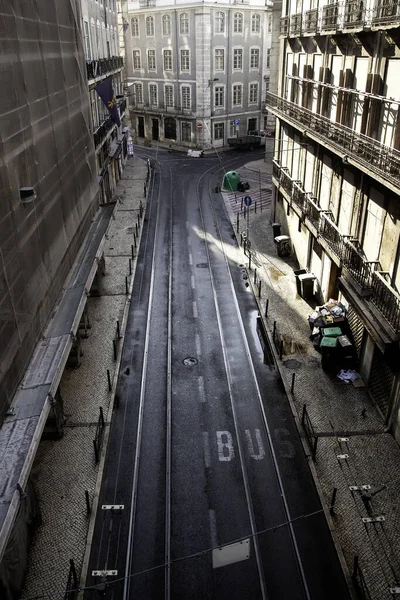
<point x="327" y="315"/>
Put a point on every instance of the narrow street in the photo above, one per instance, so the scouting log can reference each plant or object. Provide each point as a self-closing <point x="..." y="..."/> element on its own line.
<point x="204" y="457"/>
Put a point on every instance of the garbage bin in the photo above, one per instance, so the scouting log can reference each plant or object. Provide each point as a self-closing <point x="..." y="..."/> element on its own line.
<point x="283" y="245"/>
<point x="297" y="273"/>
<point x="328" y="348"/>
<point x="231" y="180"/>
<point x="332" y="332"/>
<point x="306" y="282"/>
<point x="347" y="352"/>
<point x="276" y="229"/>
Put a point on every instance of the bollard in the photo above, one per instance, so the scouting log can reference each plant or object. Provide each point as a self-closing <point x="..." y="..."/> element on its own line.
<point x="88" y="507"/>
<point x="293" y="380"/>
<point x="101" y="416"/>
<point x="136" y="228"/>
<point x="333" y="500"/>
<point x="96" y="452"/>
<point x="266" y="307"/>
<point x="130" y="266"/>
<point x="138" y="218"/>
<point x="144" y="190"/>
<point x="132" y="252"/>
<point x="259" y="289"/>
<point x="118" y="331"/>
<point x="274" y="331"/>
<point x="126" y="286"/>
<point x="115" y="349"/>
<point x="241" y="239"/>
<point x="241" y="205"/>
<point x="249" y="261"/>
<point x="237" y="223"/>
<point x="255" y="276"/>
<point x="134" y="239"/>
<point x="109" y="380"/>
<point x="281" y="349"/>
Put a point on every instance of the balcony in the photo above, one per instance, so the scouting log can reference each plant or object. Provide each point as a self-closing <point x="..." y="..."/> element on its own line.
<point x="160" y="107"/>
<point x="369" y="283"/>
<point x="147" y="3"/>
<point x="311" y="21"/>
<point x="295" y="24"/>
<point x="284" y="26"/>
<point x="386" y="14"/>
<point x="330" y="17"/>
<point x="368" y="154"/>
<point x="102" y="66"/>
<point x="354" y="15"/>
<point x="101" y="132"/>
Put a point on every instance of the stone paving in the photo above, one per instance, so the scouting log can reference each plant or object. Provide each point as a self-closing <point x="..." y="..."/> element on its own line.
<point x="64" y="469"/>
<point x="336" y="410"/>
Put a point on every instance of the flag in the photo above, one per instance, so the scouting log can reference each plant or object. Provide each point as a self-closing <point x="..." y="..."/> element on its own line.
<point x="106" y="93"/>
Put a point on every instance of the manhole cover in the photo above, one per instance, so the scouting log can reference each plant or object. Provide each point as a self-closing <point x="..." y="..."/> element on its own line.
<point x="190" y="361"/>
<point x="292" y="363"/>
<point x="202" y="265"/>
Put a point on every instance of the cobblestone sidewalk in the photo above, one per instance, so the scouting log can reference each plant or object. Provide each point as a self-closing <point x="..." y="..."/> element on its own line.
<point x="336" y="410"/>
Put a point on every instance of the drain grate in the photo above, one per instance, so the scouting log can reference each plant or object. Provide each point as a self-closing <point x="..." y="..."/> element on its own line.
<point x="190" y="361"/>
<point x="202" y="265"/>
<point x="292" y="363"/>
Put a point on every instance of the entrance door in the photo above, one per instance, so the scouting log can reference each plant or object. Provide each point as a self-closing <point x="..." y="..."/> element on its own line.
<point x="154" y="129"/>
<point x="169" y="128"/>
<point x="252" y="125"/>
<point x="140" y="122"/>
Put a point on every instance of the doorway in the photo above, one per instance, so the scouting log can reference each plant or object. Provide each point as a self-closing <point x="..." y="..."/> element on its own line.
<point x="155" y="129"/>
<point x="169" y="128"/>
<point x="140" y="121"/>
<point x="252" y="125"/>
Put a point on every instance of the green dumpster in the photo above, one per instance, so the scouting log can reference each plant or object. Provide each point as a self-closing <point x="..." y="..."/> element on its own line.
<point x="231" y="181"/>
<point x="328" y="347"/>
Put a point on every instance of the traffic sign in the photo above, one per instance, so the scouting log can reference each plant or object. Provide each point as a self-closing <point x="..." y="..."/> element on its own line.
<point x="199" y="125"/>
<point x="248" y="200"/>
<point x="237" y="121"/>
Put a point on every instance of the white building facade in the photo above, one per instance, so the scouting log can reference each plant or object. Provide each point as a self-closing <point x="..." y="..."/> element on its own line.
<point x="197" y="73"/>
<point x="337" y="170"/>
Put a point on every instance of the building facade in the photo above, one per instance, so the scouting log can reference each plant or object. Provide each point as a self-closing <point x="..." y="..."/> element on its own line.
<point x="197" y="73"/>
<point x="101" y="31"/>
<point x="336" y="170"/>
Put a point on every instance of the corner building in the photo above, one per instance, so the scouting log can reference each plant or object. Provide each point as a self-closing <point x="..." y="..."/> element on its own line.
<point x="336" y="169"/>
<point x="197" y="73"/>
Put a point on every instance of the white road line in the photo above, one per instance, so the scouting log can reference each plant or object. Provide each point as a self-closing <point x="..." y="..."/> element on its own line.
<point x="213" y="528"/>
<point x="192" y="284"/>
<point x="190" y="259"/>
<point x="198" y="346"/>
<point x="195" y="313"/>
<point x="207" y="454"/>
<point x="202" y="392"/>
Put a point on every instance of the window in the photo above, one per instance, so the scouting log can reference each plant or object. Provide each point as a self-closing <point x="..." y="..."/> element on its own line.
<point x="136" y="59"/>
<point x="186" y="132"/>
<point x="87" y="41"/>
<point x="232" y="128"/>
<point x="219" y="96"/>
<point x="139" y="93"/>
<point x="167" y="60"/>
<point x="253" y="93"/>
<point x="135" y="27"/>
<point x="269" y="23"/>
<point x="237" y="95"/>
<point x="254" y="58"/>
<point x="219" y="22"/>
<point x="255" y="23"/>
<point x="184" y="23"/>
<point x="150" y="26"/>
<point x="268" y="61"/>
<point x="153" y="94"/>
<point x="237" y="58"/>
<point x="218" y="131"/>
<point x="169" y="96"/>
<point x="219" y="60"/>
<point x="185" y="62"/>
<point x="186" y="97"/>
<point x="238" y="23"/>
<point x="151" y="60"/>
<point x="166" y="25"/>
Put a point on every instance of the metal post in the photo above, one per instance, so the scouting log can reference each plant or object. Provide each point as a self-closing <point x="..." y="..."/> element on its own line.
<point x="266" y="307"/>
<point x="274" y="331"/>
<point x="241" y="239"/>
<point x="259" y="289"/>
<point x="293" y="380"/>
<point x="115" y="349"/>
<point x="134" y="239"/>
<point x="138" y="218"/>
<point x="303" y="414"/>
<point x="333" y="500"/>
<point x="259" y="182"/>
<point x="281" y="349"/>
<point x="132" y="252"/>
<point x="249" y="260"/>
<point x="118" y="331"/>
<point x="101" y="416"/>
<point x="248" y="215"/>
<point x="137" y="231"/>
<point x="126" y="286"/>
<point x="255" y="276"/>
<point x="109" y="380"/>
<point x="237" y="223"/>
<point x="241" y="204"/>
<point x="88" y="507"/>
<point x="130" y="266"/>
<point x="96" y="452"/>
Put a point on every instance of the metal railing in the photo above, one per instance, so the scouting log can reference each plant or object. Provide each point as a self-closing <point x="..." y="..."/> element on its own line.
<point x="330" y="17"/>
<point x="101" y="66"/>
<point x="371" y="281"/>
<point x="311" y="21"/>
<point x="101" y="132"/>
<point x="147" y="3"/>
<point x="354" y="15"/>
<point x="386" y="13"/>
<point x="284" y="26"/>
<point x="376" y="157"/>
<point x="295" y="24"/>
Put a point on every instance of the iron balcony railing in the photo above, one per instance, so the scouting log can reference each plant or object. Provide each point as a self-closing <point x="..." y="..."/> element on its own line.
<point x="370" y="280"/>
<point x="147" y="3"/>
<point x="284" y="26"/>
<point x="122" y="106"/>
<point x="102" y="66"/>
<point x="354" y="15"/>
<point x="101" y="132"/>
<point x="311" y="21"/>
<point x="386" y="13"/>
<point x="295" y="24"/>
<point x="374" y="156"/>
<point x="330" y="17"/>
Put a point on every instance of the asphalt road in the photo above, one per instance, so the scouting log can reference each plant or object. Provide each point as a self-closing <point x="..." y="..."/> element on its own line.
<point x="204" y="454"/>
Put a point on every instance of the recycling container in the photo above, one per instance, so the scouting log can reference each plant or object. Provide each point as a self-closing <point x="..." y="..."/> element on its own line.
<point x="332" y="332"/>
<point x="297" y="273"/>
<point x="282" y="245"/>
<point x="276" y="229"/>
<point x="231" y="181"/>
<point x="306" y="281"/>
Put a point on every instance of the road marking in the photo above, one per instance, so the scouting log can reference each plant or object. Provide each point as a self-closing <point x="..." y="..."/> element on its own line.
<point x="250" y="445"/>
<point x="195" y="313"/>
<point x="192" y="282"/>
<point x="226" y="450"/>
<point x="213" y="528"/>
<point x="207" y="454"/>
<point x="198" y="345"/>
<point x="190" y="259"/>
<point x="202" y="392"/>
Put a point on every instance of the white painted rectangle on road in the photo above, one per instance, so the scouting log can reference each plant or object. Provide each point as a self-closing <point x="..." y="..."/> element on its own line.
<point x="233" y="553"/>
